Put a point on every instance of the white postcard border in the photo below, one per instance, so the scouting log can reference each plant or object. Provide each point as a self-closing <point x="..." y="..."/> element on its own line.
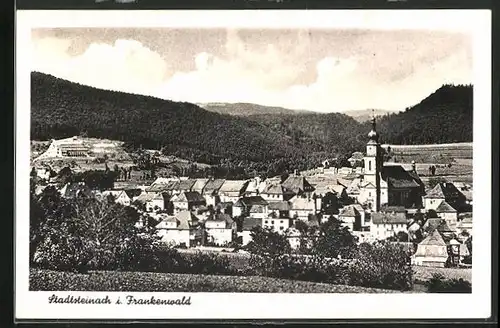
<point x="34" y="305"/>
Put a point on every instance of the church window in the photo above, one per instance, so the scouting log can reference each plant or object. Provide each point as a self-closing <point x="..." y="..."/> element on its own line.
<point x="369" y="165"/>
<point x="369" y="194"/>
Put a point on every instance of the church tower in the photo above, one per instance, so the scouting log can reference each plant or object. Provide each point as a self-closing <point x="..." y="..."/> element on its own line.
<point x="373" y="163"/>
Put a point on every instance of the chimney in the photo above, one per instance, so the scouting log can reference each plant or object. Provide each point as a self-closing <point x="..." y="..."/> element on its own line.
<point x="414" y="166"/>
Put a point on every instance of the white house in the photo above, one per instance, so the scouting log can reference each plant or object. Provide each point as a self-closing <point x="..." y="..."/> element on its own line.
<point x="232" y="190"/>
<point x="156" y="203"/>
<point x="302" y="207"/>
<point x="448" y="213"/>
<point x="254" y="205"/>
<point x="220" y="229"/>
<point x="120" y="196"/>
<point x="248" y="225"/>
<point x="276" y="223"/>
<point x="385" y="225"/>
<point x="188" y="200"/>
<point x="211" y="191"/>
<point x="432" y="251"/>
<point x="180" y="229"/>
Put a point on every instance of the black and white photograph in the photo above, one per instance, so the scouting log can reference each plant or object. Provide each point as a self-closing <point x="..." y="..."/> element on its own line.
<point x="265" y="162"/>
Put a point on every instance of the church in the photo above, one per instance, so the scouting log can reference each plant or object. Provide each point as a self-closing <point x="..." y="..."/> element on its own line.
<point x="387" y="184"/>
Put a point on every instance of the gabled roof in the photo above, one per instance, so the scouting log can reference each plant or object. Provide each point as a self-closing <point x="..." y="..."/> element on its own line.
<point x="349" y="211"/>
<point x="131" y="193"/>
<point x="213" y="186"/>
<point x="186" y="184"/>
<point x="279" y="206"/>
<point x="297" y="184"/>
<point x="74" y="189"/>
<point x="433" y="246"/>
<point x="185" y="220"/>
<point x="250" y="201"/>
<point x="199" y="184"/>
<point x="434" y="238"/>
<point x="190" y="197"/>
<point x="388" y="218"/>
<point x="446" y="190"/>
<point x="276" y="189"/>
<point x="222" y="217"/>
<point x="233" y="186"/>
<point x="172" y="185"/>
<point x="144" y="198"/>
<point x="444" y="207"/>
<point x="397" y="177"/>
<point x="250" y="223"/>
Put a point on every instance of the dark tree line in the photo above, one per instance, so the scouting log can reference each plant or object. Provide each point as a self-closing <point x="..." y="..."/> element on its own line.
<point x="259" y="143"/>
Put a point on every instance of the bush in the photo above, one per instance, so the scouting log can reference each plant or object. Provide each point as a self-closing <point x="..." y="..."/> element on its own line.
<point x="438" y="284"/>
<point x="205" y="263"/>
<point x="382" y="265"/>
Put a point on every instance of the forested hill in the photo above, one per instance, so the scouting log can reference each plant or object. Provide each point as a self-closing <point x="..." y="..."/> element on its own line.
<point x="443" y="117"/>
<point x="246" y="109"/>
<point x="61" y="109"/>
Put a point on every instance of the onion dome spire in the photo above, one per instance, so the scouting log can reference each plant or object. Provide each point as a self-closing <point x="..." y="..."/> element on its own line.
<point x="372" y="135"/>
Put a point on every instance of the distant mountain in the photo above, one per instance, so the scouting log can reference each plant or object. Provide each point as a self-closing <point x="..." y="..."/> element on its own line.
<point x="366" y="114"/>
<point x="246" y="109"/>
<point x="238" y="135"/>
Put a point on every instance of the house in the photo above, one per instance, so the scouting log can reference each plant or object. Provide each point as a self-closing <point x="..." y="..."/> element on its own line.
<point x="280" y="208"/>
<point x="159" y="185"/>
<point x="232" y="190"/>
<point x="253" y="187"/>
<point x="351" y="218"/>
<point x="276" y="192"/>
<point x="457" y="251"/>
<point x="199" y="185"/>
<point x="186" y="185"/>
<point x="225" y="208"/>
<point x="448" y="213"/>
<point x="158" y="202"/>
<point x="298" y="185"/>
<point x="244" y="205"/>
<point x="220" y="229"/>
<point x="133" y="194"/>
<point x="465" y="223"/>
<point x="293" y="236"/>
<point x="187" y="201"/>
<point x="276" y="223"/>
<point x="75" y="189"/>
<point x="172" y="187"/>
<point x="120" y="196"/>
<point x="302" y="208"/>
<point x="211" y="191"/>
<point x="444" y="191"/>
<point x="385" y="225"/>
<point x="246" y="231"/>
<point x="341" y="192"/>
<point x="143" y="199"/>
<point x="432" y="251"/>
<point x="180" y="229"/>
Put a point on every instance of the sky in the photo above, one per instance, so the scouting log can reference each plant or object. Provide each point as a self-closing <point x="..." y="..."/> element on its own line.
<point x="324" y="70"/>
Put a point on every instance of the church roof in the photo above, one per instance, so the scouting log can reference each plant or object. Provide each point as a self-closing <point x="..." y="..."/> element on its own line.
<point x="397" y="177"/>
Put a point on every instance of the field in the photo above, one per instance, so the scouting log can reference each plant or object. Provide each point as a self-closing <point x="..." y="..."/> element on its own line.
<point x="168" y="282"/>
<point x="459" y="155"/>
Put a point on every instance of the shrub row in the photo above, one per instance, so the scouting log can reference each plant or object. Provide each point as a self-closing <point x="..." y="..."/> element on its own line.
<point x="438" y="284"/>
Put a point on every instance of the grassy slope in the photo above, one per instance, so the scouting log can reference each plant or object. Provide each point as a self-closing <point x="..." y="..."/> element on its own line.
<point x="169" y="282"/>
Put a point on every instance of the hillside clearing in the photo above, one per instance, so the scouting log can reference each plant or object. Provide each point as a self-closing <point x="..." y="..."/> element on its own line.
<point x="46" y="280"/>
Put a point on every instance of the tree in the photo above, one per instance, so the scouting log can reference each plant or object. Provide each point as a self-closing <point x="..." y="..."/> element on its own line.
<point x="267" y="242"/>
<point x="402" y="237"/>
<point x="334" y="240"/>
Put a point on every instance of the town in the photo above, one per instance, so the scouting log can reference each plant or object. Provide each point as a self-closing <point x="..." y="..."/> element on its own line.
<point x="375" y="199"/>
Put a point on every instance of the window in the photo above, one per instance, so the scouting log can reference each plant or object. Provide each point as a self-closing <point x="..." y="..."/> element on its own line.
<point x="282" y="228"/>
<point x="265" y="221"/>
<point x="369" y="165"/>
<point x="369" y="194"/>
<point x="281" y="221"/>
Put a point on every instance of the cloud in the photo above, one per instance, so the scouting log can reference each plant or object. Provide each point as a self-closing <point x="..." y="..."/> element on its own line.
<point x="370" y="71"/>
<point x="125" y="66"/>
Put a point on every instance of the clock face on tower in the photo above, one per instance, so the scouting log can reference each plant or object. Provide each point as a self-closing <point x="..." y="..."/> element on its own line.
<point x="371" y="150"/>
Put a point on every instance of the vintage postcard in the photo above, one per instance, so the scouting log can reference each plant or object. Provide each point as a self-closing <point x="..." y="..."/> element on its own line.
<point x="328" y="164"/>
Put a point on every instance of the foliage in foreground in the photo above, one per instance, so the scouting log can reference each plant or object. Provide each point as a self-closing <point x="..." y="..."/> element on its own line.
<point x="47" y="280"/>
<point x="438" y="284"/>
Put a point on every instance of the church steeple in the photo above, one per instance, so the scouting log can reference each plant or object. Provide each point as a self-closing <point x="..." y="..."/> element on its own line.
<point x="372" y="161"/>
<point x="373" y="135"/>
